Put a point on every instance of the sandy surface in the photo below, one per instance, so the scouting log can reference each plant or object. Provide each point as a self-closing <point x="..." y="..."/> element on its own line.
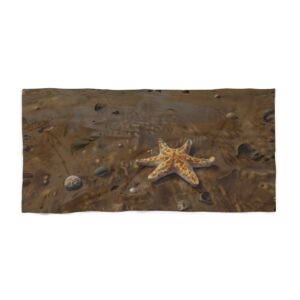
<point x="74" y="132"/>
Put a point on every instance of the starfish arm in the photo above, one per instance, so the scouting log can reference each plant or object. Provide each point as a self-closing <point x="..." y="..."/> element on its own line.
<point x="163" y="169"/>
<point x="186" y="147"/>
<point x="186" y="172"/>
<point x="200" y="162"/>
<point x="162" y="145"/>
<point x="150" y="161"/>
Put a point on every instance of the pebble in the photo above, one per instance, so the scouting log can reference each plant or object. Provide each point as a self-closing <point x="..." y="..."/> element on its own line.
<point x="99" y="106"/>
<point x="73" y="183"/>
<point x="183" y="205"/>
<point x="132" y="190"/>
<point x="97" y="160"/>
<point x="102" y="171"/>
<point x="269" y="116"/>
<point x="26" y="148"/>
<point x="120" y="145"/>
<point x="232" y="116"/>
<point x="217" y="96"/>
<point x="205" y="197"/>
<point x="36" y="108"/>
<point x="45" y="181"/>
<point x="80" y="144"/>
<point x="114" y="187"/>
<point x="115" y="112"/>
<point x="246" y="150"/>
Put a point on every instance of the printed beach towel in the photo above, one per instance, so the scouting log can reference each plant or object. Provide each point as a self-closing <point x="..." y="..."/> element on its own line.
<point x="176" y="150"/>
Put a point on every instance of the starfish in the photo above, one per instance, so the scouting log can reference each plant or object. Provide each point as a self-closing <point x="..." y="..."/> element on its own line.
<point x="175" y="160"/>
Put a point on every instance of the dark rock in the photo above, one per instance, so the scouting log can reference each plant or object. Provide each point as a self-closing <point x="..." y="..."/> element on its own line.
<point x="115" y="112"/>
<point x="80" y="144"/>
<point x="246" y="150"/>
<point x="256" y="155"/>
<point x="99" y="106"/>
<point x="186" y="91"/>
<point x="102" y="171"/>
<point x="205" y="197"/>
<point x="73" y="183"/>
<point x="114" y="187"/>
<point x="217" y="96"/>
<point x="269" y="116"/>
<point x="26" y="148"/>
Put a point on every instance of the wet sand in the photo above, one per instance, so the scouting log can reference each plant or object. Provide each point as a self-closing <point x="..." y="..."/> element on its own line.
<point x="98" y="134"/>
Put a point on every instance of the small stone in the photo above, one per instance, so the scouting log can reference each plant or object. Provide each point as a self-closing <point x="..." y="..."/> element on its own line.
<point x="217" y="96"/>
<point x="97" y="160"/>
<point x="99" y="106"/>
<point x="27" y="148"/>
<point x="205" y="197"/>
<point x="102" y="171"/>
<point x="79" y="144"/>
<point x="73" y="183"/>
<point x="132" y="190"/>
<point x="269" y="116"/>
<point x="186" y="91"/>
<point x="46" y="178"/>
<point x="183" y="205"/>
<point x="120" y="145"/>
<point x="246" y="150"/>
<point x="36" y="108"/>
<point x="232" y="116"/>
<point x="114" y="187"/>
<point x="115" y="112"/>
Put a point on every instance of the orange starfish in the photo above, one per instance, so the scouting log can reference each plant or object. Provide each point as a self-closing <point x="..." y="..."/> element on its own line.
<point x="175" y="160"/>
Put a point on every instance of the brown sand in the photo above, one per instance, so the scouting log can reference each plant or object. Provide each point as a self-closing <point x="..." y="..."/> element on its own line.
<point x="76" y="131"/>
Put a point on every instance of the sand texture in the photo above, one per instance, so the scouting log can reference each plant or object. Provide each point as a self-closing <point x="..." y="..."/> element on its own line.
<point x="97" y="136"/>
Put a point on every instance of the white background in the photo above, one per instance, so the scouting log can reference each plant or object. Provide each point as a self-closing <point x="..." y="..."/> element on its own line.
<point x="160" y="45"/>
